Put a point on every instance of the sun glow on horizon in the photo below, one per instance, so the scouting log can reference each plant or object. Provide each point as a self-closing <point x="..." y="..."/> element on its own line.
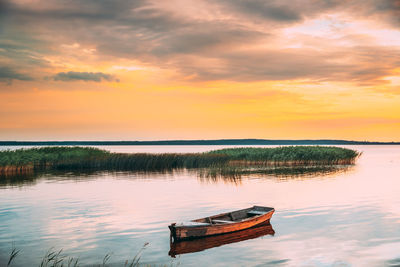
<point x="199" y="70"/>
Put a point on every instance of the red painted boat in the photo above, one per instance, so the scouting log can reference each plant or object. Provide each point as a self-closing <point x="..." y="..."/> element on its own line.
<point x="222" y="223"/>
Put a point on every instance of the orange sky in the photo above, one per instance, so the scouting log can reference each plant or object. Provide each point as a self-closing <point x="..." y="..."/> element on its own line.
<point x="141" y="70"/>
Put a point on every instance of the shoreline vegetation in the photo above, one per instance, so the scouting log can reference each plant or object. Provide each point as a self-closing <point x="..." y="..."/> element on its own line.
<point x="239" y="142"/>
<point x="24" y="161"/>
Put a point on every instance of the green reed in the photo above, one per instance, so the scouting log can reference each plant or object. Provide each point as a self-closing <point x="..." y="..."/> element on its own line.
<point x="81" y="158"/>
<point x="312" y="154"/>
<point x="56" y="258"/>
<point x="49" y="155"/>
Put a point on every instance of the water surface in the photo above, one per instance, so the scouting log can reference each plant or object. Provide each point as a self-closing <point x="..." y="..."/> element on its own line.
<point x="345" y="218"/>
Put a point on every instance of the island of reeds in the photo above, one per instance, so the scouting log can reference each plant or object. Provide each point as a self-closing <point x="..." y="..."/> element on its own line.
<point x="89" y="158"/>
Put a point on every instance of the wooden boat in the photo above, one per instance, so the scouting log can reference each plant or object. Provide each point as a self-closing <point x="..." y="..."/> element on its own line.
<point x="221" y="223"/>
<point x="200" y="244"/>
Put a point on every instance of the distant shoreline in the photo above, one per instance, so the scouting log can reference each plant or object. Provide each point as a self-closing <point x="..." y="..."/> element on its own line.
<point x="194" y="142"/>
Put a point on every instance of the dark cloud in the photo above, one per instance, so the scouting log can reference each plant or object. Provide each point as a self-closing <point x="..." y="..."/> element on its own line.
<point x="360" y="65"/>
<point x="206" y="38"/>
<point x="278" y="12"/>
<point x="269" y="10"/>
<point x="290" y="11"/>
<point x="119" y="28"/>
<point x="388" y="10"/>
<point x="217" y="47"/>
<point x="8" y="75"/>
<point x="135" y="15"/>
<point x="83" y="76"/>
<point x="23" y="50"/>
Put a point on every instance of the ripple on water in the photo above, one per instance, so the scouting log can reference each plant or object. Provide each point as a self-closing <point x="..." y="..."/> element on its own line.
<point x="349" y="219"/>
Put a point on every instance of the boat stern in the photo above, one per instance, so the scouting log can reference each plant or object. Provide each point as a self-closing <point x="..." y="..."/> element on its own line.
<point x="172" y="228"/>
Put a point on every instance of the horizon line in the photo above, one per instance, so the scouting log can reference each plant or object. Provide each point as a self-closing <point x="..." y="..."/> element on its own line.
<point x="242" y="141"/>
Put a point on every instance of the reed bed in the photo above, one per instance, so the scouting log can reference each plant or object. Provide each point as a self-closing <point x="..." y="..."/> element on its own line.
<point x="290" y="155"/>
<point x="23" y="161"/>
<point x="26" y="160"/>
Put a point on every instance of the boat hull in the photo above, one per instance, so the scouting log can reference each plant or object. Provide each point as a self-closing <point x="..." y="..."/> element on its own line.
<point x="184" y="233"/>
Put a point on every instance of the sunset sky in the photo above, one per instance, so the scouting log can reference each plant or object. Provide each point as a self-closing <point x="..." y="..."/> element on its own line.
<point x="185" y="69"/>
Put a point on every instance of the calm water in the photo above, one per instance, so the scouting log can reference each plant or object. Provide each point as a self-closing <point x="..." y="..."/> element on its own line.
<point x="348" y="218"/>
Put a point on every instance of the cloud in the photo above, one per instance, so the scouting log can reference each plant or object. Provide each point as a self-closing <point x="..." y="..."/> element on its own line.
<point x="84" y="76"/>
<point x="388" y="10"/>
<point x="207" y="38"/>
<point x="360" y="65"/>
<point x="8" y="75"/>
<point x="279" y="11"/>
<point x="292" y="11"/>
<point x="238" y="40"/>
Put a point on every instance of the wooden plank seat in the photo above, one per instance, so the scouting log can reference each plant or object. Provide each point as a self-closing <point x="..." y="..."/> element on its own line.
<point x="191" y="224"/>
<point x="255" y="212"/>
<point x="233" y="216"/>
<point x="221" y="221"/>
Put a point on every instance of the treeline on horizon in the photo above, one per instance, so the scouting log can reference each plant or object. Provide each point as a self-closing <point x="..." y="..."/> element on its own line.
<point x="196" y="142"/>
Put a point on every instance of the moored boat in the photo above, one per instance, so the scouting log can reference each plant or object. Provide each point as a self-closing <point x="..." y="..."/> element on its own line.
<point x="222" y="223"/>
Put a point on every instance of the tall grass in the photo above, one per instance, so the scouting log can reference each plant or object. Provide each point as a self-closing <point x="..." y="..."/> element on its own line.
<point x="46" y="155"/>
<point x="14" y="252"/>
<point x="56" y="258"/>
<point x="292" y="154"/>
<point x="81" y="158"/>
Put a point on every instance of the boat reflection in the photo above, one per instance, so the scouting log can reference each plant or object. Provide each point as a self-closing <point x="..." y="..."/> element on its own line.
<point x="200" y="244"/>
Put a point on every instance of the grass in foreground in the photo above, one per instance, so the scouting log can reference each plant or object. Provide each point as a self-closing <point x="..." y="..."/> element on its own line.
<point x="56" y="258"/>
<point x="81" y="158"/>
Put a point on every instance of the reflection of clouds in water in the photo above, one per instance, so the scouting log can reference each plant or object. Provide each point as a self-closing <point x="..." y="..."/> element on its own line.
<point x="350" y="220"/>
<point x="359" y="236"/>
<point x="88" y="218"/>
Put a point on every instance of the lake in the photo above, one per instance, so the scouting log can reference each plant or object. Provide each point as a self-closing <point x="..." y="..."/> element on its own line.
<point x="349" y="217"/>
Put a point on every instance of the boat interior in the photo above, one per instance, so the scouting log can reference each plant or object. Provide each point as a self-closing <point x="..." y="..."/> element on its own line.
<point x="234" y="216"/>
